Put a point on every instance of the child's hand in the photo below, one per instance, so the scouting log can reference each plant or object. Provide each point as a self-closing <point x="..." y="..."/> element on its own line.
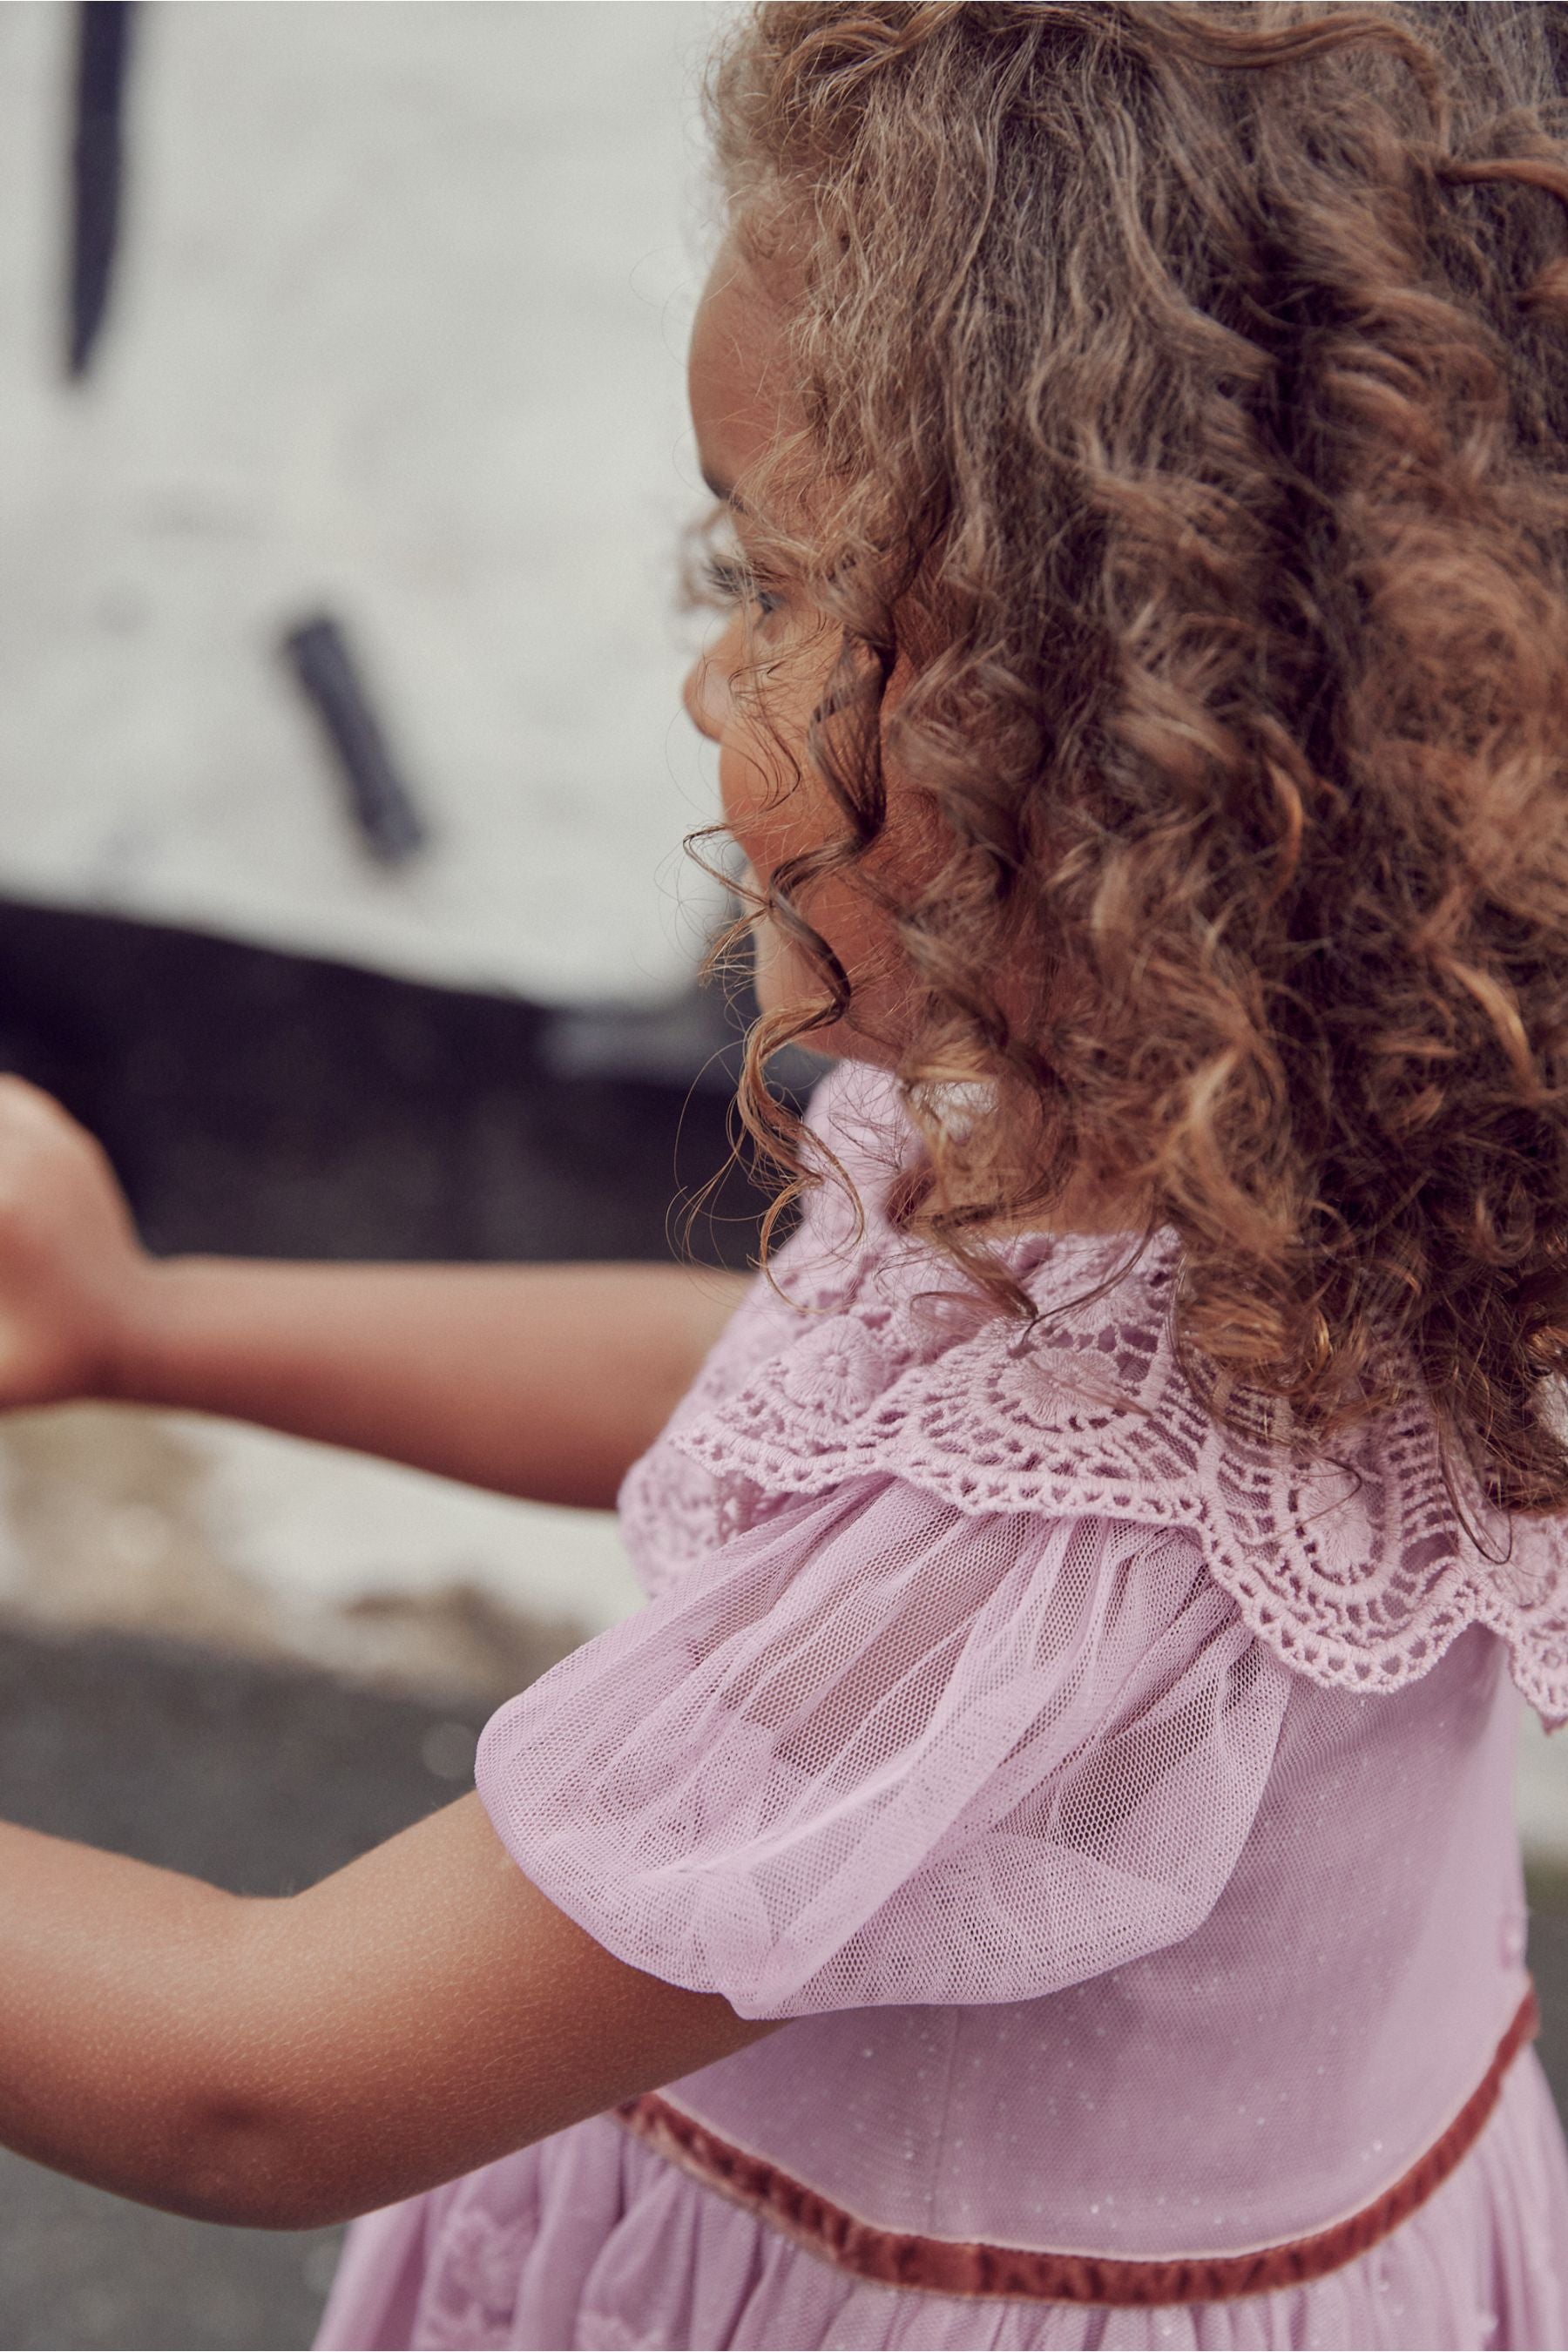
<point x="71" y="1267"/>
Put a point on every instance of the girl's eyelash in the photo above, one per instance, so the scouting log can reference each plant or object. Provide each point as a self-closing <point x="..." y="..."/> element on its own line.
<point x="734" y="583"/>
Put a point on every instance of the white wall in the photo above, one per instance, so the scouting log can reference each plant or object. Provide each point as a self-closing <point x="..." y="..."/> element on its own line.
<point x="398" y="326"/>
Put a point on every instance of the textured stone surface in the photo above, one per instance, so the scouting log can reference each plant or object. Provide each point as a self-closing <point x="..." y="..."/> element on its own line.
<point x="258" y="1779"/>
<point x="398" y="330"/>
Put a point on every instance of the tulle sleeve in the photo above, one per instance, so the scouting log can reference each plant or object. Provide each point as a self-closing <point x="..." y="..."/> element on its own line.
<point x="878" y="1751"/>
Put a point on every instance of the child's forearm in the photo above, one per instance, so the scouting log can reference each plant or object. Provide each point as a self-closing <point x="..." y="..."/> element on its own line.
<point x="108" y="1966"/>
<point x="543" y="1381"/>
<point x="285" y="2063"/>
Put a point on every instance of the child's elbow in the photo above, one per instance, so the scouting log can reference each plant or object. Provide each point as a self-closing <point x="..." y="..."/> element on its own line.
<point x="257" y="2125"/>
<point x="241" y="2164"/>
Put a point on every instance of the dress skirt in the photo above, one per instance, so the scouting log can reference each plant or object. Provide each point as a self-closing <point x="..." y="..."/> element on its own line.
<point x="592" y="2238"/>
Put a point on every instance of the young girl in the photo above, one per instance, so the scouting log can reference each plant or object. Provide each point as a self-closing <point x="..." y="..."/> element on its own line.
<point x="1040" y="1869"/>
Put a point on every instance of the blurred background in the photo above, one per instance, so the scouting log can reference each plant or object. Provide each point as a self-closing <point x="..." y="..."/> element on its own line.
<point x="342" y="782"/>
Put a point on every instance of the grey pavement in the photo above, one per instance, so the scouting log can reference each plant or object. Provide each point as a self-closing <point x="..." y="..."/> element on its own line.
<point x="258" y="1779"/>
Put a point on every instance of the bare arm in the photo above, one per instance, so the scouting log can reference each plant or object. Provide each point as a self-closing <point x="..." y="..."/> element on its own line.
<point x="545" y="1380"/>
<point x="286" y="2064"/>
<point x="540" y="1380"/>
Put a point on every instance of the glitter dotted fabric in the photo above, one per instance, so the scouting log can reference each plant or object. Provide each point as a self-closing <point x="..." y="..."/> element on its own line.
<point x="1121" y="1812"/>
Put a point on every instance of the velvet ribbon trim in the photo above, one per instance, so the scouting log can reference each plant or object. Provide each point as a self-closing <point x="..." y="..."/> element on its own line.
<point x="946" y="2267"/>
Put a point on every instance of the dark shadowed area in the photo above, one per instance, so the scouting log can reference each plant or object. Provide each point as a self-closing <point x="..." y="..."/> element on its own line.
<point x="266" y="1105"/>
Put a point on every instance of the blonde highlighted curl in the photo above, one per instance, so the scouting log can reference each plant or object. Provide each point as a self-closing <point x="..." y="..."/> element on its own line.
<point x="1193" y="386"/>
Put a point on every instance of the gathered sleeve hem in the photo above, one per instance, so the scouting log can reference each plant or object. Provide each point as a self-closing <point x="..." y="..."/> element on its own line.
<point x="879" y="1750"/>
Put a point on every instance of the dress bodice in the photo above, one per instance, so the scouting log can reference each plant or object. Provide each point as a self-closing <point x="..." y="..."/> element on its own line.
<point x="1119" y="1809"/>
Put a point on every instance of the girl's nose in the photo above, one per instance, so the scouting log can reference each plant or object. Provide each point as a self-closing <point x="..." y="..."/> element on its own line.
<point x="706" y="693"/>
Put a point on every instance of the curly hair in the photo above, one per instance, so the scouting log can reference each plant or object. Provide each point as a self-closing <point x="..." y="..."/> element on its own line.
<point x="1193" y="384"/>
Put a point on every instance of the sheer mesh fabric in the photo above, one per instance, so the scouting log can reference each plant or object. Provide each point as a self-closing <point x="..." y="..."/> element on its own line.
<point x="879" y="1750"/>
<point x="1056" y="1864"/>
<point x="1253" y="2080"/>
<point x="1119" y="1811"/>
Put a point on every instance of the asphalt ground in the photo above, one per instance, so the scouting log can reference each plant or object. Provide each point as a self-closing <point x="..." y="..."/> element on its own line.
<point x="256" y="1780"/>
<point x="273" y="1106"/>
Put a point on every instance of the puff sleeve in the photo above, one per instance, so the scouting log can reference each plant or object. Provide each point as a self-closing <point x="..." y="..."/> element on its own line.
<point x="879" y="1751"/>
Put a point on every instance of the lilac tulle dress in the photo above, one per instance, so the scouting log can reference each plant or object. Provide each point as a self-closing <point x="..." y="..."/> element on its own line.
<point x="1120" y="1812"/>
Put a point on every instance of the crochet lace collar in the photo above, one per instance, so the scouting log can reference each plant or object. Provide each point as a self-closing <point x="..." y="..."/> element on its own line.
<point x="1359" y="1573"/>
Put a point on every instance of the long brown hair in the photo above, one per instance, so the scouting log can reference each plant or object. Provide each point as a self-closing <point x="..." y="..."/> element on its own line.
<point x="1193" y="385"/>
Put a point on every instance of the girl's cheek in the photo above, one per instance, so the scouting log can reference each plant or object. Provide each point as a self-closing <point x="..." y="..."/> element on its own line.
<point x="757" y="806"/>
<point x="781" y="976"/>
